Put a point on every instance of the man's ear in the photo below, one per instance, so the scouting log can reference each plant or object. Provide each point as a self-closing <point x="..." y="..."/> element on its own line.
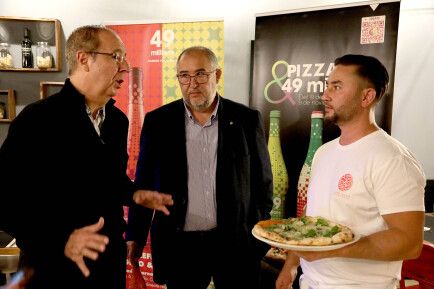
<point x="369" y="96"/>
<point x="82" y="60"/>
<point x="218" y="74"/>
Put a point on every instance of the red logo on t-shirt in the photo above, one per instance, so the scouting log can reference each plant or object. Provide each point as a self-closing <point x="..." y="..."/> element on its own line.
<point x="345" y="182"/>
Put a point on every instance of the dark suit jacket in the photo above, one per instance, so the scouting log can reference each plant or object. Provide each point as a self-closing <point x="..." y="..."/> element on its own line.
<point x="243" y="181"/>
<point x="58" y="175"/>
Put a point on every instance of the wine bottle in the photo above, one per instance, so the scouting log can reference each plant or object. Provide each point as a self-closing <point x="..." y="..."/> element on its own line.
<point x="26" y="50"/>
<point x="314" y="143"/>
<point x="280" y="174"/>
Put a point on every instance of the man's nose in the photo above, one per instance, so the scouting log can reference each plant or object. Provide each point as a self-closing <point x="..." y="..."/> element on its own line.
<point x="124" y="66"/>
<point x="193" y="81"/>
<point x="325" y="95"/>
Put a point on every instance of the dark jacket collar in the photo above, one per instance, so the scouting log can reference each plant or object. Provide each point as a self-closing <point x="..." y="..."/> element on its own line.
<point x="76" y="97"/>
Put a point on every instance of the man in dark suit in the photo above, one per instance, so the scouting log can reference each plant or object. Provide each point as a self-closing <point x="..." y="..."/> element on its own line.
<point x="210" y="154"/>
<point x="63" y="169"/>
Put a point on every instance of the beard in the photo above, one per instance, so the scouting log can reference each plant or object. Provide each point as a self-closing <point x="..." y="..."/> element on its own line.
<point x="331" y="118"/>
<point x="341" y="115"/>
<point x="199" y="106"/>
<point x="200" y="103"/>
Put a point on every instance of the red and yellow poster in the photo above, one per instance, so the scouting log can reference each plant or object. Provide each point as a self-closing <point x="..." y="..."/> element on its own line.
<point x="152" y="51"/>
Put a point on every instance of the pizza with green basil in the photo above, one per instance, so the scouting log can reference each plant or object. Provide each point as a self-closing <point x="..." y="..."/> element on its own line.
<point x="304" y="231"/>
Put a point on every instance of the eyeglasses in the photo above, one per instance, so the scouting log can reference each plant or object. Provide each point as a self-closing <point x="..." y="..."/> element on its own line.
<point x="200" y="76"/>
<point x="117" y="56"/>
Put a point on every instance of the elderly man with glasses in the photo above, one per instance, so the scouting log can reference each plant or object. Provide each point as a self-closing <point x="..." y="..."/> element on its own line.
<point x="63" y="168"/>
<point x="211" y="155"/>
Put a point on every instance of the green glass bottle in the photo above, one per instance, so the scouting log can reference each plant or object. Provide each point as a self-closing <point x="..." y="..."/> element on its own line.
<point x="314" y="143"/>
<point x="280" y="175"/>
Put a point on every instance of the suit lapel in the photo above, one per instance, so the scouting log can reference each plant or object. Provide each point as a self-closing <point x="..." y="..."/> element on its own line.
<point x="179" y="141"/>
<point x="178" y="121"/>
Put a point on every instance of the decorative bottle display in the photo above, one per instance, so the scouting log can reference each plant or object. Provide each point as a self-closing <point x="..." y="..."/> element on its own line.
<point x="280" y="175"/>
<point x="314" y="143"/>
<point x="43" y="55"/>
<point x="5" y="56"/>
<point x="26" y="50"/>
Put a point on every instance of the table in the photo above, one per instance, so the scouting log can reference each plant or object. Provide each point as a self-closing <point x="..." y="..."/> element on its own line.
<point x="9" y="258"/>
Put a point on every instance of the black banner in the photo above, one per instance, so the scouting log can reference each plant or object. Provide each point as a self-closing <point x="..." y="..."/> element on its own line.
<point x="293" y="55"/>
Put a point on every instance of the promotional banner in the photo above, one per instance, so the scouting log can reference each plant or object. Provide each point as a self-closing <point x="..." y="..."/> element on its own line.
<point x="294" y="54"/>
<point x="152" y="51"/>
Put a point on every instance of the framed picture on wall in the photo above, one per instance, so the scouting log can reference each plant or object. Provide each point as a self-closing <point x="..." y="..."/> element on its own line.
<point x="7" y="105"/>
<point x="47" y="88"/>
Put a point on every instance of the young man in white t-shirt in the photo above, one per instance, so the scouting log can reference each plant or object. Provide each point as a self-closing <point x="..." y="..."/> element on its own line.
<point x="366" y="180"/>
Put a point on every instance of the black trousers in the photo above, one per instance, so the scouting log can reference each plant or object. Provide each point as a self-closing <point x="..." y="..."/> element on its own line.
<point x="203" y="255"/>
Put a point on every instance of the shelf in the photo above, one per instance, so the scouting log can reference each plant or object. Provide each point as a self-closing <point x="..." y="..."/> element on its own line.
<point x="30" y="69"/>
<point x="41" y="29"/>
<point x="47" y="88"/>
<point x="8" y="98"/>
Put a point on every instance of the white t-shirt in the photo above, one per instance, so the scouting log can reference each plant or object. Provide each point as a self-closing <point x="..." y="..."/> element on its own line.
<point x="355" y="185"/>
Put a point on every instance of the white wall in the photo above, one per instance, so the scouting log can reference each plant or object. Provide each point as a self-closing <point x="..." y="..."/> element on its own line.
<point x="413" y="99"/>
<point x="413" y="103"/>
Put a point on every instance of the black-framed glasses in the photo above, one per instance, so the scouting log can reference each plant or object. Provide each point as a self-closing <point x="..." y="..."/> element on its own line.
<point x="119" y="57"/>
<point x="200" y="76"/>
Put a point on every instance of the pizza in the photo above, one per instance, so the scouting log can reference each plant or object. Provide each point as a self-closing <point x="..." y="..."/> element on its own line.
<point x="276" y="253"/>
<point x="304" y="231"/>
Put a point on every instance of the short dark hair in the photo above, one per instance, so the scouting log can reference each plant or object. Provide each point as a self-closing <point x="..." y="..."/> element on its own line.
<point x="369" y="68"/>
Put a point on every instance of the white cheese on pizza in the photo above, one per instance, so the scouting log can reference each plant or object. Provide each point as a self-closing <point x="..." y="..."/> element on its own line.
<point x="304" y="231"/>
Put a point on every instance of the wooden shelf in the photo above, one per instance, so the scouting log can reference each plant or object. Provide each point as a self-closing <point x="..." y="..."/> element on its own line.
<point x="10" y="251"/>
<point x="30" y="69"/>
<point x="41" y="29"/>
<point x="8" y="97"/>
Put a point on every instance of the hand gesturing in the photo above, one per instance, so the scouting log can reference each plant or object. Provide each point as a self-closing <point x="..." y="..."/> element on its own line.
<point x="153" y="200"/>
<point x="86" y="242"/>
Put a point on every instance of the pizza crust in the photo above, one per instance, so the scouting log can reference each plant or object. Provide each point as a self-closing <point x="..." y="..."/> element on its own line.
<point x="277" y="254"/>
<point x="346" y="235"/>
<point x="259" y="229"/>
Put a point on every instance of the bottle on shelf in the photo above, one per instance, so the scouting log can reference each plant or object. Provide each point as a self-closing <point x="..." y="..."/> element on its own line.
<point x="26" y="50"/>
<point x="43" y="55"/>
<point x="280" y="174"/>
<point x="314" y="143"/>
<point x="5" y="56"/>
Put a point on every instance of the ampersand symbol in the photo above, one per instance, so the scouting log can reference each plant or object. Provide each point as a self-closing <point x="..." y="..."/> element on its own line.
<point x="277" y="80"/>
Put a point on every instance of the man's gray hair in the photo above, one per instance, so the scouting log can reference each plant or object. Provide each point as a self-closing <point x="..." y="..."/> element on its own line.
<point x="206" y="51"/>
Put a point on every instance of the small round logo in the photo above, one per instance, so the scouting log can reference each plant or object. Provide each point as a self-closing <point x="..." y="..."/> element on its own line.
<point x="345" y="182"/>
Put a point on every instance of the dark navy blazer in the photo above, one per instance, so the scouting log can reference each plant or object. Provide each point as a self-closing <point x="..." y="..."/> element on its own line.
<point x="243" y="180"/>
